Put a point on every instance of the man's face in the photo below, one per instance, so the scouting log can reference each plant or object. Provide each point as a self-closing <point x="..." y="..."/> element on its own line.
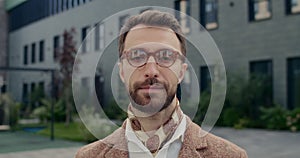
<point x="151" y="87"/>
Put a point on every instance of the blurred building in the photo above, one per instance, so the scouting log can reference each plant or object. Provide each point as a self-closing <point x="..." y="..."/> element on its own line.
<point x="254" y="36"/>
<point x="3" y="46"/>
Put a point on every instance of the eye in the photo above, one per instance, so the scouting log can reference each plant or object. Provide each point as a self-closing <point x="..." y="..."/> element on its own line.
<point x="165" y="56"/>
<point x="137" y="55"/>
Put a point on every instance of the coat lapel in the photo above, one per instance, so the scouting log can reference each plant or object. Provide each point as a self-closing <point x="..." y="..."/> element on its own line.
<point x="193" y="142"/>
<point x="118" y="144"/>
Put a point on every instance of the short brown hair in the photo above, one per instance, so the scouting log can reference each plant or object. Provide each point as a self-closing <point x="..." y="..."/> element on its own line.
<point x="152" y="18"/>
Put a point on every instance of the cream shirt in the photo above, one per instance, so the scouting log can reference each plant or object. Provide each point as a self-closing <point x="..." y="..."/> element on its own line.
<point x="170" y="150"/>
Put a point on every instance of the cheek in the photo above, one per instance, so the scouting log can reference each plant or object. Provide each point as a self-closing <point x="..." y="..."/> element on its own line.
<point x="171" y="78"/>
<point x="128" y="74"/>
<point x="175" y="70"/>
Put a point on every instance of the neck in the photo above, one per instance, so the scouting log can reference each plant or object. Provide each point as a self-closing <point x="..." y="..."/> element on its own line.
<point x="152" y="123"/>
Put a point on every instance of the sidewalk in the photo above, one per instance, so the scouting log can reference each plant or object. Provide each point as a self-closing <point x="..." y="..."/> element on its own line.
<point x="44" y="153"/>
<point x="263" y="143"/>
<point x="257" y="143"/>
<point x="29" y="145"/>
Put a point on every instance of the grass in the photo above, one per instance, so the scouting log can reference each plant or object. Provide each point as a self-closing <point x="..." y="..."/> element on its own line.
<point x="71" y="132"/>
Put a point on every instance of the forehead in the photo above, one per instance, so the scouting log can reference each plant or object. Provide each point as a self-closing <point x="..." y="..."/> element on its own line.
<point x="142" y="35"/>
<point x="152" y="46"/>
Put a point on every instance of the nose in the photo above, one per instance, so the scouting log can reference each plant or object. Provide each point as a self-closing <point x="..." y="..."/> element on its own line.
<point x="150" y="69"/>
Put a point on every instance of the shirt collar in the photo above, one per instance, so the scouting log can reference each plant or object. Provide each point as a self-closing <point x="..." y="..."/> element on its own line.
<point x="179" y="134"/>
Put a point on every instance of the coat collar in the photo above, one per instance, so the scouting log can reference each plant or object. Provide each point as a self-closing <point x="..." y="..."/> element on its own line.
<point x="192" y="143"/>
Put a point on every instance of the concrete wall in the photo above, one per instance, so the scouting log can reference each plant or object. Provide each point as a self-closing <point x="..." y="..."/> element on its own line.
<point x="3" y="42"/>
<point x="239" y="40"/>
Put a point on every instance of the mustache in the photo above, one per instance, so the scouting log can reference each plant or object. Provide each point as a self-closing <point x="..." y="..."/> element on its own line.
<point x="148" y="82"/>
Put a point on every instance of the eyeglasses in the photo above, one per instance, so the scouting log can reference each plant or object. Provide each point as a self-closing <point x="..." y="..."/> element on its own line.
<point x="162" y="57"/>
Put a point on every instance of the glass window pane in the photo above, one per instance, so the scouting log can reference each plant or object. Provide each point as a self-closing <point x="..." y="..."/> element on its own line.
<point x="262" y="9"/>
<point x="56" y="45"/>
<point x="261" y="74"/>
<point x="33" y="53"/>
<point x="293" y="83"/>
<point x="295" y="6"/>
<point x="41" y="51"/>
<point x="205" y="79"/>
<point x="25" y="60"/>
<point x="84" y="39"/>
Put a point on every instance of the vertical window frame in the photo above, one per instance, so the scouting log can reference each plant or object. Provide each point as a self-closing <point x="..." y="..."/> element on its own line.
<point x="289" y="7"/>
<point x="290" y="85"/>
<point x="25" y="93"/>
<point x="182" y="15"/>
<point x="204" y="14"/>
<point x="56" y="47"/>
<point x="33" y="53"/>
<point x="42" y="50"/>
<point x="99" y="36"/>
<point x="25" y="55"/>
<point x="270" y="74"/>
<point x="252" y="14"/>
<point x="85" y="41"/>
<point x="204" y="77"/>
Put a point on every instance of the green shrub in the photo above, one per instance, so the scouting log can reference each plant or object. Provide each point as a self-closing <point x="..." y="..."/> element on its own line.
<point x="42" y="113"/>
<point x="274" y="117"/>
<point x="11" y="110"/>
<point x="242" y="123"/>
<point x="293" y="120"/>
<point x="230" y="116"/>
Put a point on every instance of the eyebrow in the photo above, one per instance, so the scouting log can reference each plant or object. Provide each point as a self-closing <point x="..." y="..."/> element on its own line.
<point x="148" y="49"/>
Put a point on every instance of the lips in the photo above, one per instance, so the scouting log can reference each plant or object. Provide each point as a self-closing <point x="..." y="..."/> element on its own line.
<point x="154" y="86"/>
<point x="151" y="89"/>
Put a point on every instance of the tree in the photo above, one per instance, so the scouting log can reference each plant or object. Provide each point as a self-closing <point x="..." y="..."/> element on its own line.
<point x="66" y="61"/>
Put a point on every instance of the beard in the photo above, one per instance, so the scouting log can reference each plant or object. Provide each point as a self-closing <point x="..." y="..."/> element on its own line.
<point x="151" y="103"/>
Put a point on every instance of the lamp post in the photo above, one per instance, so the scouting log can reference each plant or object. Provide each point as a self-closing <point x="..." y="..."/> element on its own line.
<point x="46" y="70"/>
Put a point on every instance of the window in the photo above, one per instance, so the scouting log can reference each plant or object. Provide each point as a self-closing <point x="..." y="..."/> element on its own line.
<point x="25" y="51"/>
<point x="183" y="6"/>
<point x="32" y="87"/>
<point x="84" y="40"/>
<point x="33" y="53"/>
<point x="41" y="51"/>
<point x="261" y="72"/>
<point x="85" y="82"/>
<point x="209" y="13"/>
<point x="259" y="10"/>
<point x="2" y="85"/>
<point x="292" y="6"/>
<point x="25" y="93"/>
<point x="99" y="86"/>
<point x="56" y="45"/>
<point x="3" y="89"/>
<point x="42" y="86"/>
<point x="99" y="36"/>
<point x="122" y="20"/>
<point x="205" y="79"/>
<point x="293" y="77"/>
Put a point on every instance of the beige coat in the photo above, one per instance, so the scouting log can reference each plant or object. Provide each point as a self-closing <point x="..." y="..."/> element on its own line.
<point x="194" y="146"/>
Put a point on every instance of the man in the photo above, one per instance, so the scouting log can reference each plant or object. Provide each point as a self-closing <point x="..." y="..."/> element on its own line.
<point x="152" y="54"/>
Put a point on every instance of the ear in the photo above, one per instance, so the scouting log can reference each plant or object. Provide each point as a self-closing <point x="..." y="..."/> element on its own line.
<point x="121" y="71"/>
<point x="183" y="69"/>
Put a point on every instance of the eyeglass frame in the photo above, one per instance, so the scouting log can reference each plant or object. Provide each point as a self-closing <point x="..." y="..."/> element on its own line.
<point x="125" y="54"/>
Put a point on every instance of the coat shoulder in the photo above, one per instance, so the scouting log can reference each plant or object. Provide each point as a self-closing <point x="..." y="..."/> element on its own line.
<point x="210" y="145"/>
<point x="91" y="150"/>
<point x="99" y="148"/>
<point x="220" y="147"/>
